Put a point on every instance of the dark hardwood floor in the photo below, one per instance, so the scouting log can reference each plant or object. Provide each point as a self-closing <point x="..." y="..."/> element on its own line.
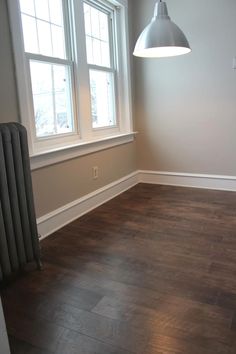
<point x="151" y="272"/>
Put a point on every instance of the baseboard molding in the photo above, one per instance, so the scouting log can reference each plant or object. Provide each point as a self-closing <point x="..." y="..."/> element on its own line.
<point x="58" y="218"/>
<point x="217" y="182"/>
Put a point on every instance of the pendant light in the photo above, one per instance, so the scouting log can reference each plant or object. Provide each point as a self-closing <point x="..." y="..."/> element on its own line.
<point x="162" y="37"/>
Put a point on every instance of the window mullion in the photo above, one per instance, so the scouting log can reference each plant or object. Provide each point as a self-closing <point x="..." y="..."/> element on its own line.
<point x="101" y="68"/>
<point x="53" y="99"/>
<point x="82" y="70"/>
<point x="67" y="29"/>
<point x="47" y="59"/>
<point x="36" y="23"/>
<point x="112" y="41"/>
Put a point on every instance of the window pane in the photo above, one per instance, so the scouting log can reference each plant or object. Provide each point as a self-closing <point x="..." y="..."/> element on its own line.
<point x="89" y="46"/>
<point x="63" y="106"/>
<point x="58" y="42"/>
<point x="87" y="17"/>
<point x="27" y="7"/>
<point x="102" y="99"/>
<point x="42" y="9"/>
<point x="44" y="35"/>
<point x="105" y="59"/>
<point x="41" y="75"/>
<point x="44" y="117"/>
<point x="95" y="23"/>
<point x="104" y="33"/>
<point x="52" y="99"/>
<point x="97" y="34"/>
<point x="42" y="87"/>
<point x="97" y="53"/>
<point x="43" y="30"/>
<point x="30" y="34"/>
<point x="56" y="16"/>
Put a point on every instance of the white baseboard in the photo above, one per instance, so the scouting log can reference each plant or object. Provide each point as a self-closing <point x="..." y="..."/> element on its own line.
<point x="58" y="218"/>
<point x="227" y="183"/>
<point x="55" y="220"/>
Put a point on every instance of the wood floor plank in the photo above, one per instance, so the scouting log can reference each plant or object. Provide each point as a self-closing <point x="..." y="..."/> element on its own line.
<point x="152" y="271"/>
<point x="22" y="347"/>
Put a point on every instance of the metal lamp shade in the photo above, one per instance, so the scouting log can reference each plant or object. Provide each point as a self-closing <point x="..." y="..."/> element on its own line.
<point x="162" y="37"/>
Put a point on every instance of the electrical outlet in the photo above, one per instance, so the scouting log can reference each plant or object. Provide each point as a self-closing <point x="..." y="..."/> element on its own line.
<point x="95" y="172"/>
<point x="234" y="63"/>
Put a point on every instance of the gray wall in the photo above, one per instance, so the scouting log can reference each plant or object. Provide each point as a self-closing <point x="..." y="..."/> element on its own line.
<point x="63" y="183"/>
<point x="8" y="99"/>
<point x="185" y="107"/>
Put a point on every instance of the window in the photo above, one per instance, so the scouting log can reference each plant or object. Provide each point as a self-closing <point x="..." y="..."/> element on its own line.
<point x="72" y="70"/>
<point x="100" y="59"/>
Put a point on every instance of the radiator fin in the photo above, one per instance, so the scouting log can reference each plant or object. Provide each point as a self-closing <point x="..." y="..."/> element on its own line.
<point x="18" y="230"/>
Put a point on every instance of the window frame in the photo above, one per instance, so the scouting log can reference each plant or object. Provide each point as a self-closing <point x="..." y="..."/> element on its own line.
<point x="110" y="12"/>
<point x="43" y="143"/>
<point x="85" y="135"/>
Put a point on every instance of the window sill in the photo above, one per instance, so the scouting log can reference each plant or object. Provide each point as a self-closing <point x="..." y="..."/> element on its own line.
<point x="50" y="157"/>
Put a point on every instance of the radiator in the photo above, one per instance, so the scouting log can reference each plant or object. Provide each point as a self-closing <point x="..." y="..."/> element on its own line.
<point x="19" y="243"/>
